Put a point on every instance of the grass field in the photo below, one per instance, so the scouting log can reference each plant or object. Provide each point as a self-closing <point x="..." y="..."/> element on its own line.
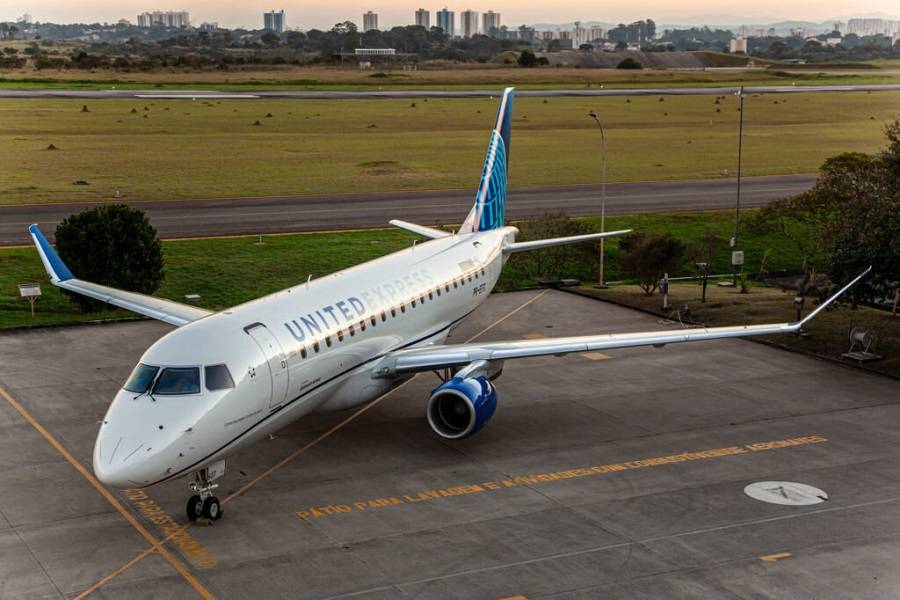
<point x="216" y="269"/>
<point x="169" y="149"/>
<point x="438" y="76"/>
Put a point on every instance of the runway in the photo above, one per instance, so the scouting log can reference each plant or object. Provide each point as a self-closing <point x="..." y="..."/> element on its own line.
<point x="614" y="476"/>
<point x="283" y="214"/>
<point x="95" y="94"/>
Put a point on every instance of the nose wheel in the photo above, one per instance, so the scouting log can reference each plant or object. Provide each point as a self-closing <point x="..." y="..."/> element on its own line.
<point x="203" y="503"/>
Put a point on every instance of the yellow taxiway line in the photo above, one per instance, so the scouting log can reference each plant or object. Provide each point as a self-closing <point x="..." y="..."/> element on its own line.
<point x="156" y="545"/>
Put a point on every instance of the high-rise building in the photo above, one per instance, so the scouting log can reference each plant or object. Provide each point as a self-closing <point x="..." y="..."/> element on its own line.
<point x="370" y="21"/>
<point x="169" y="18"/>
<point x="423" y="18"/>
<point x="863" y="27"/>
<point x="274" y="21"/>
<point x="489" y="20"/>
<point x="446" y="20"/>
<point x="468" y="23"/>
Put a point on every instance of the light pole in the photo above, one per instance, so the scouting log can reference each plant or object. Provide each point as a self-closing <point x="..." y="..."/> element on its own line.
<point x="594" y="116"/>
<point x="737" y="207"/>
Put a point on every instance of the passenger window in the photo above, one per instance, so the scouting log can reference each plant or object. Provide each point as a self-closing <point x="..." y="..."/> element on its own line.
<point x="218" y="377"/>
<point x="302" y="351"/>
<point x="340" y="335"/>
<point x="413" y="303"/>
<point x="328" y="341"/>
<point x="176" y="381"/>
<point x="393" y="312"/>
<point x="374" y="320"/>
<point x="351" y="329"/>
<point x="446" y="287"/>
<point x="362" y="325"/>
<point x="455" y="284"/>
<point x="316" y="346"/>
<point x="403" y="308"/>
<point x="141" y="378"/>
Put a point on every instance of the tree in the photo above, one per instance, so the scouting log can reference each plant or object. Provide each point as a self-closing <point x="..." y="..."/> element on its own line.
<point x="629" y="63"/>
<point x="527" y="58"/>
<point x="112" y="245"/>
<point x="270" y="39"/>
<point x="852" y="216"/>
<point x="648" y="257"/>
<point x="802" y="220"/>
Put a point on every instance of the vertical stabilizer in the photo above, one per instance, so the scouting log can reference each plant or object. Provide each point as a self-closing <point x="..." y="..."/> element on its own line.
<point x="490" y="199"/>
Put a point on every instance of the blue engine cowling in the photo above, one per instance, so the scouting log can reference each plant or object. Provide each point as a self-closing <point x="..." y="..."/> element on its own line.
<point x="460" y="407"/>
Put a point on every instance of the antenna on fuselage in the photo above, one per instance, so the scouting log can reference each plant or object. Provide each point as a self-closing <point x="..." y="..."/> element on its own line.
<point x="308" y="279"/>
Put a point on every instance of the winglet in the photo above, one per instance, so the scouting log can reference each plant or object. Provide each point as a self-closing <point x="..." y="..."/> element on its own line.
<point x="53" y="264"/>
<point x="825" y="304"/>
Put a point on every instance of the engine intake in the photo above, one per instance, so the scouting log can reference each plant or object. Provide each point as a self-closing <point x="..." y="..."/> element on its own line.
<point x="461" y="407"/>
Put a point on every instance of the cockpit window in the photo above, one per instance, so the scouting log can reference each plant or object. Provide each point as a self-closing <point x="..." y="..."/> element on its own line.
<point x="178" y="380"/>
<point x="218" y="378"/>
<point x="141" y="378"/>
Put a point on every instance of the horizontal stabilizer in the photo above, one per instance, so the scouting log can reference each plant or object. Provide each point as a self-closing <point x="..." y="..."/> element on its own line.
<point x="428" y="232"/>
<point x="538" y="244"/>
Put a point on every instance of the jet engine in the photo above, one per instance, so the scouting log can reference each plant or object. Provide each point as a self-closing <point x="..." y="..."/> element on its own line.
<point x="460" y="406"/>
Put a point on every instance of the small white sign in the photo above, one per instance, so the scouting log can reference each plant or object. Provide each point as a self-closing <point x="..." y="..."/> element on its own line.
<point x="737" y="257"/>
<point x="29" y="290"/>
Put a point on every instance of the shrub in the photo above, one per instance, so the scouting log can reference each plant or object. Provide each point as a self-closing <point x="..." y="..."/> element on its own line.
<point x="112" y="245"/>
<point x="647" y="258"/>
<point x="629" y="63"/>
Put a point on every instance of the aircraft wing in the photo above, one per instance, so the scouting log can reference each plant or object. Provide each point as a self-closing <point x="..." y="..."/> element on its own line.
<point x="168" y="311"/>
<point x="457" y="355"/>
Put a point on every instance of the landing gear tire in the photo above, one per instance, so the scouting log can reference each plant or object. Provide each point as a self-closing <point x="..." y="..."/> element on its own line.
<point x="212" y="510"/>
<point x="195" y="507"/>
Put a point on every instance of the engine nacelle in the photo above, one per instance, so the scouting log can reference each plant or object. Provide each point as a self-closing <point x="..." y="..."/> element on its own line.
<point x="460" y="407"/>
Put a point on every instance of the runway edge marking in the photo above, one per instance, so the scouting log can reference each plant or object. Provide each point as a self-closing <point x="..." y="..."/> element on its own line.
<point x="132" y="520"/>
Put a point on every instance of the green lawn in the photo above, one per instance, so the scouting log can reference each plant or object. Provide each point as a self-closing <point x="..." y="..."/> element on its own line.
<point x="226" y="272"/>
<point x="191" y="149"/>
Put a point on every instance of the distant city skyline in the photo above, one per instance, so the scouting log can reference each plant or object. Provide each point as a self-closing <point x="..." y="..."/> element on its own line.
<point x="391" y="13"/>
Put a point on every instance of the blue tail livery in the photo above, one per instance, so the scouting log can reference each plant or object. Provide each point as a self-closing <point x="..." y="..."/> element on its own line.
<point x="490" y="200"/>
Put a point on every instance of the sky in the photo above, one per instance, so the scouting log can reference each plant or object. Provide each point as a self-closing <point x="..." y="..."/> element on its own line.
<point x="322" y="15"/>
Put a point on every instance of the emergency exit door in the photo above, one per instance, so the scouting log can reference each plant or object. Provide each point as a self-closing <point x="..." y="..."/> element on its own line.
<point x="276" y="360"/>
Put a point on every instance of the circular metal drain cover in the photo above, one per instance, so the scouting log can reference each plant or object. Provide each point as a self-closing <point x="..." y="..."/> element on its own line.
<point x="788" y="493"/>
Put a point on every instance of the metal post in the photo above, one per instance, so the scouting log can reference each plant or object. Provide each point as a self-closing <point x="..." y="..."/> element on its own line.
<point x="593" y="115"/>
<point x="737" y="207"/>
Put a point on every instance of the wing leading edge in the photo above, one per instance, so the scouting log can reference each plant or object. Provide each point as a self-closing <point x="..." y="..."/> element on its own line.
<point x="167" y="311"/>
<point x="456" y="355"/>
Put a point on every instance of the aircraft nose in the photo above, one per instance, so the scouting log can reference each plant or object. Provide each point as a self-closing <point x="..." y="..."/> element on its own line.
<point x="119" y="460"/>
<point x="127" y="449"/>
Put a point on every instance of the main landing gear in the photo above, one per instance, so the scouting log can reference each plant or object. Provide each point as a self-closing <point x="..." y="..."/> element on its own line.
<point x="203" y="503"/>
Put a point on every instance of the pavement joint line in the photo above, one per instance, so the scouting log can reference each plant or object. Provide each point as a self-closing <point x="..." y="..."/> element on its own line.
<point x="158" y="546"/>
<point x="132" y="520"/>
<point x="632" y="543"/>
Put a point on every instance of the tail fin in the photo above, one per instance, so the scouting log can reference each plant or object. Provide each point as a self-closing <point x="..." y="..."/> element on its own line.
<point x="490" y="200"/>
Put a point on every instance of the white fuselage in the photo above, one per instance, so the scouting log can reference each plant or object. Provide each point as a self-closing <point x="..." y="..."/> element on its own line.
<point x="308" y="348"/>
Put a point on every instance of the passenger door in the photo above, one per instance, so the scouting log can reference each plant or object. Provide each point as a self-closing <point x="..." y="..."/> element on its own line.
<point x="275" y="359"/>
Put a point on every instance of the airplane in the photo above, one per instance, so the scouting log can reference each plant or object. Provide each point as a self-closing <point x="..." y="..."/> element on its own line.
<point x="222" y="381"/>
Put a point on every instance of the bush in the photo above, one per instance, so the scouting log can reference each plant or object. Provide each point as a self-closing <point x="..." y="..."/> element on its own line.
<point x="112" y="245"/>
<point x="527" y="58"/>
<point x="578" y="261"/>
<point x="647" y="258"/>
<point x="629" y="63"/>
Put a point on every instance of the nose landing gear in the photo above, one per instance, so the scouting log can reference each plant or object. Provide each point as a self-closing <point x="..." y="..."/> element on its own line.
<point x="203" y="503"/>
